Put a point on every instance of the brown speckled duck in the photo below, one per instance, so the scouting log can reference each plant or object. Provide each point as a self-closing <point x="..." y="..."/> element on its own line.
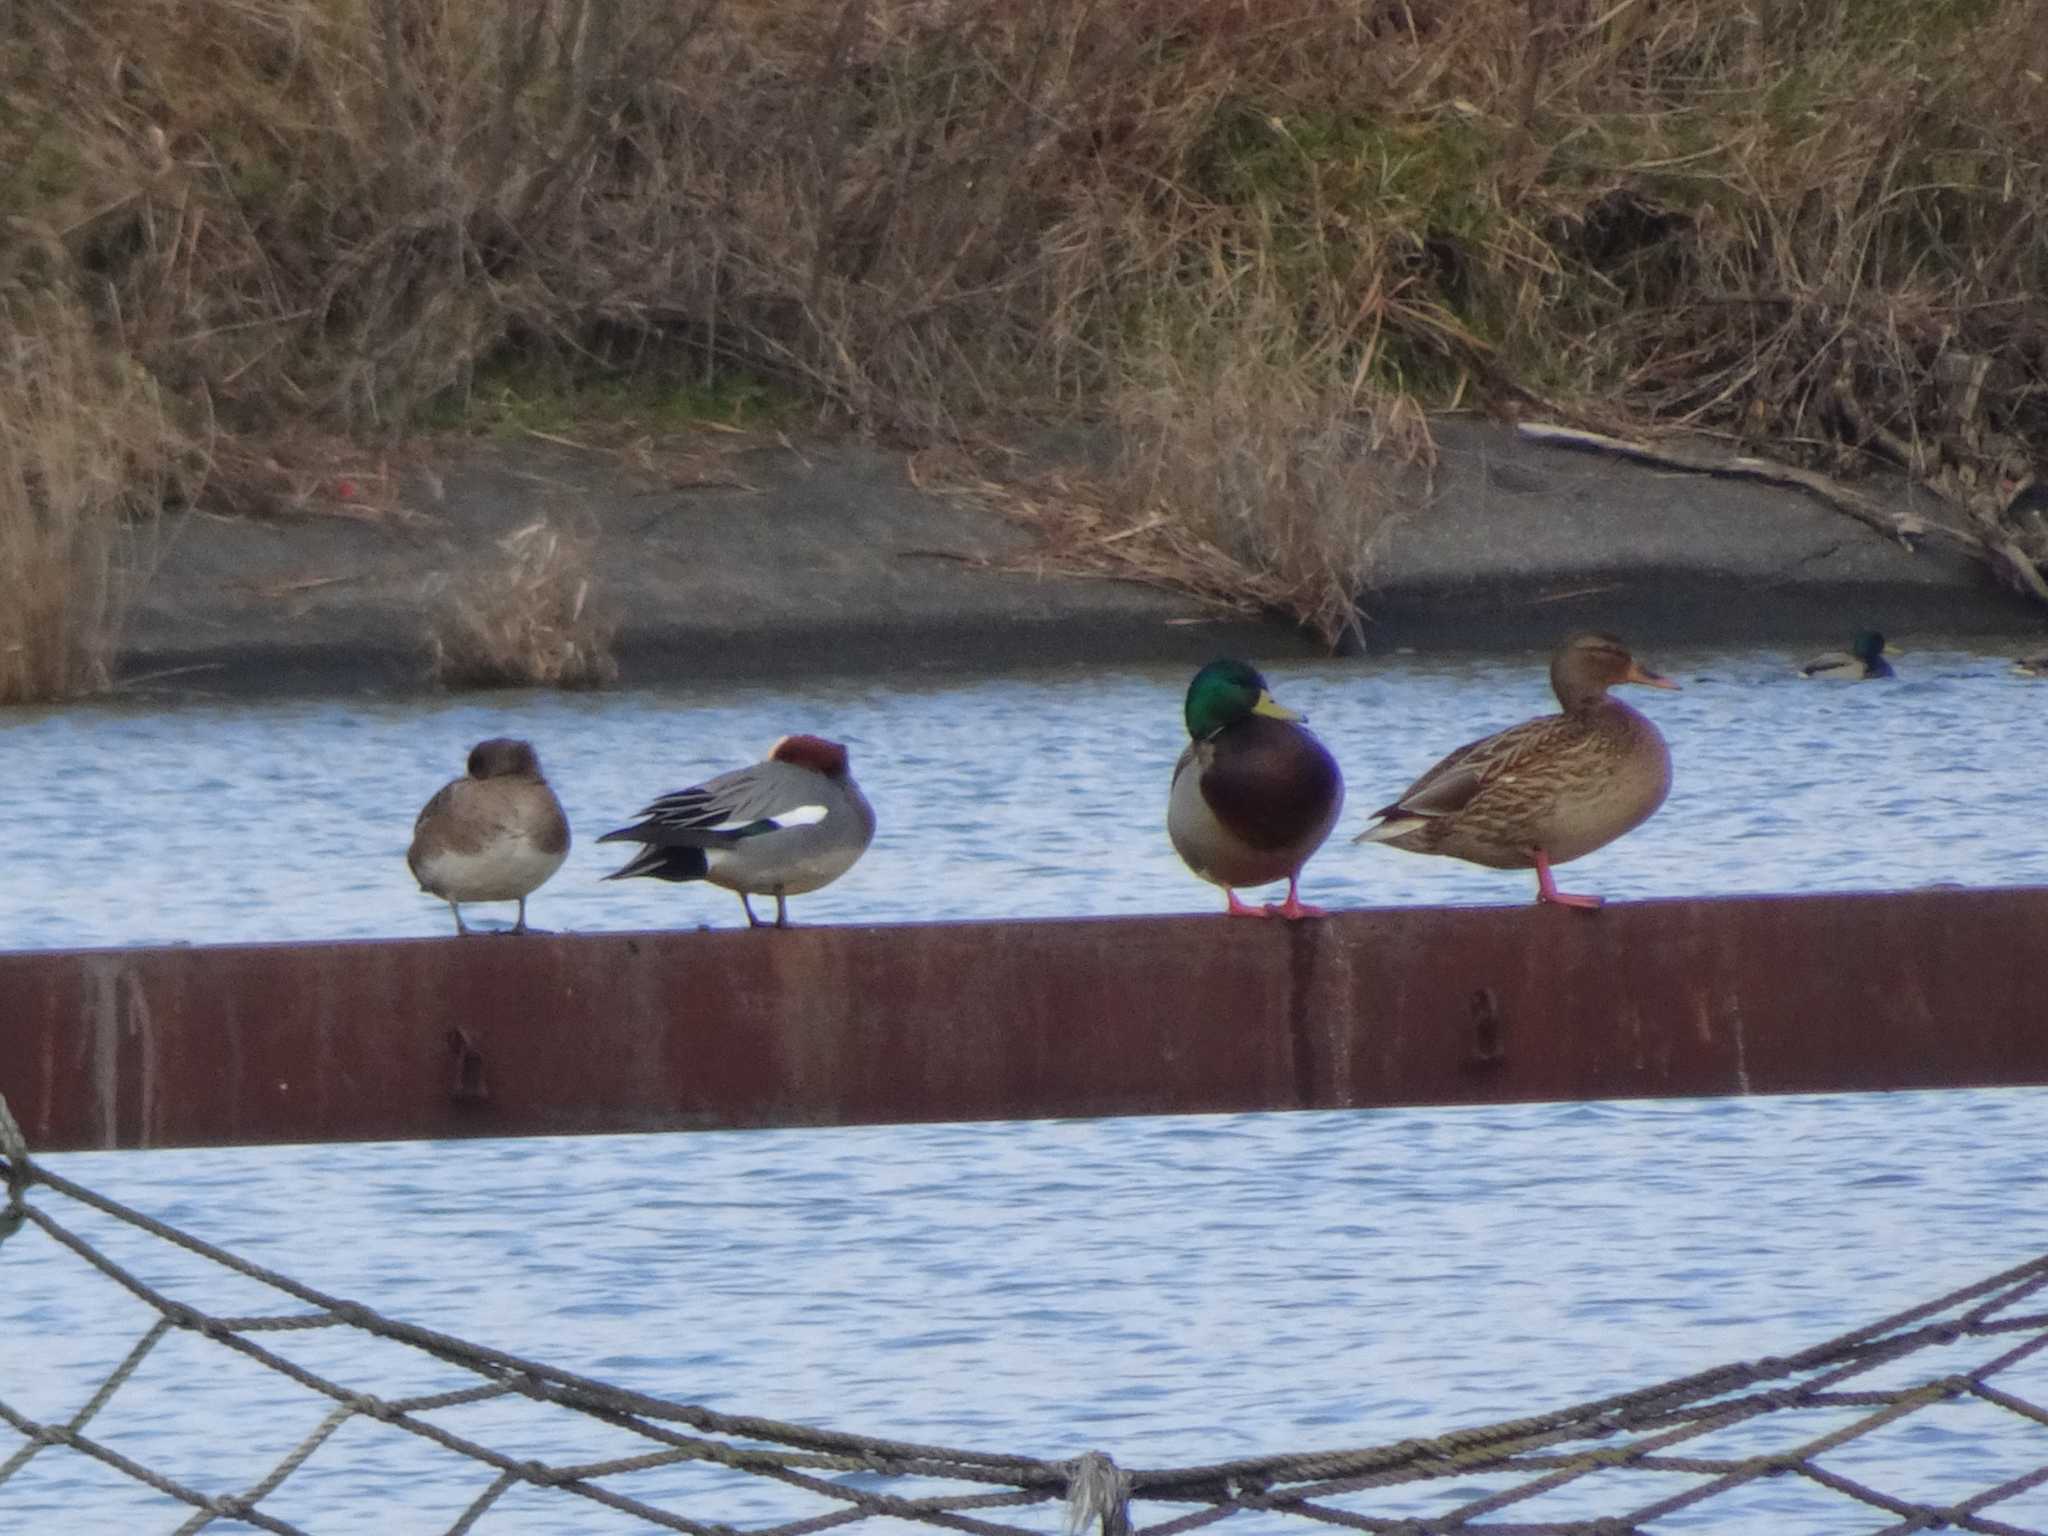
<point x="1549" y="790"/>
<point x="1254" y="794"/>
<point x="496" y="834"/>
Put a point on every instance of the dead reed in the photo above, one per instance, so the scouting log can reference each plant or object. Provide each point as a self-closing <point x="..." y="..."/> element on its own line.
<point x="87" y="455"/>
<point x="1239" y="475"/>
<point x="524" y="618"/>
<point x="1817" y="227"/>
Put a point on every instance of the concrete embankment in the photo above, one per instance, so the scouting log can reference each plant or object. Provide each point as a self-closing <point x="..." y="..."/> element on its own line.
<point x="771" y="559"/>
<point x="499" y="1035"/>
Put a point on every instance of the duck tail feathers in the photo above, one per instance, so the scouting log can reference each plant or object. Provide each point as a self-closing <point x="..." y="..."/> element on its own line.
<point x="1393" y="823"/>
<point x="662" y="863"/>
<point x="657" y="830"/>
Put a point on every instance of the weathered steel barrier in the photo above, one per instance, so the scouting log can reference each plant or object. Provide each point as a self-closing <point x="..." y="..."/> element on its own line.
<point x="499" y="1035"/>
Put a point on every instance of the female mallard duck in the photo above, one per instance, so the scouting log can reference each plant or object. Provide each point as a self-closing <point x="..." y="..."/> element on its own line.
<point x="1863" y="659"/>
<point x="1549" y="790"/>
<point x="1254" y="794"/>
<point x="2035" y="665"/>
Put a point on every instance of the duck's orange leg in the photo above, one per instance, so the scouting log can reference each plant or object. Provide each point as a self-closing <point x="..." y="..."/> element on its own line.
<point x="1546" y="888"/>
<point x="1294" y="908"/>
<point x="1239" y="909"/>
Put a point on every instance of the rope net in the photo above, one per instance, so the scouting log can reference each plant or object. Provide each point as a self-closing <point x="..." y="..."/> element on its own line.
<point x="1919" y="1422"/>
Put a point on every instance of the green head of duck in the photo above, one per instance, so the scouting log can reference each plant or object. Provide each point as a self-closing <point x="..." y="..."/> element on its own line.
<point x="1225" y="692"/>
<point x="1868" y="648"/>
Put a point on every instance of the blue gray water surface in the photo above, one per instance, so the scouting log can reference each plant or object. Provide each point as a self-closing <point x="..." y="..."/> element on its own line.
<point x="1172" y="1290"/>
<point x="1034" y="795"/>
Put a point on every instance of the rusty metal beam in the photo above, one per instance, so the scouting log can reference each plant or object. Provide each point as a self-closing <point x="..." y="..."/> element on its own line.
<point x="499" y="1036"/>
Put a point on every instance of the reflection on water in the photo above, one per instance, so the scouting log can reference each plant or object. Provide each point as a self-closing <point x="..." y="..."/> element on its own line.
<point x="1017" y="796"/>
<point x="1171" y="1290"/>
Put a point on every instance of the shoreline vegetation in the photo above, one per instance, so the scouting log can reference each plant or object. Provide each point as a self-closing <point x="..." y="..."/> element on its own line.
<point x="1255" y="243"/>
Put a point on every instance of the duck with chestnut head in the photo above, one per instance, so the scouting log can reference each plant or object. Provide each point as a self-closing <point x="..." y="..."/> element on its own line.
<point x="791" y="823"/>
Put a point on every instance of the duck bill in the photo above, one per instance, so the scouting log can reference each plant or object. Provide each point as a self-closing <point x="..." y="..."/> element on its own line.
<point x="1638" y="673"/>
<point x="1272" y="709"/>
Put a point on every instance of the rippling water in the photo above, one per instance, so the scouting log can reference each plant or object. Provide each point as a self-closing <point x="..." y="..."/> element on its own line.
<point x="1171" y="1290"/>
<point x="1016" y="796"/>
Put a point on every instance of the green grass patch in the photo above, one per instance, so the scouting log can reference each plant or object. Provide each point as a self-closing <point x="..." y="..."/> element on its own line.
<point x="513" y="397"/>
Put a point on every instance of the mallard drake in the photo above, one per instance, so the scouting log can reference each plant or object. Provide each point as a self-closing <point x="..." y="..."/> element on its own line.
<point x="496" y="834"/>
<point x="791" y="823"/>
<point x="1864" y="659"/>
<point x="1549" y="790"/>
<point x="2030" y="502"/>
<point x="1254" y="794"/>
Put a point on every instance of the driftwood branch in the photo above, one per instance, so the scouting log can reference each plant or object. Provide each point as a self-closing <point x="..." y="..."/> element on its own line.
<point x="2016" y="562"/>
<point x="1701" y="459"/>
<point x="1993" y="545"/>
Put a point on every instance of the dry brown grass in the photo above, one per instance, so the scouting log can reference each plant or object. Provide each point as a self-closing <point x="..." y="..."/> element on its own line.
<point x="920" y="211"/>
<point x="1292" y="483"/>
<point x="1238" y="476"/>
<point x="1275" y="519"/>
<point x="525" y="618"/>
<point x="1818" y="227"/>
<point x="87" y="455"/>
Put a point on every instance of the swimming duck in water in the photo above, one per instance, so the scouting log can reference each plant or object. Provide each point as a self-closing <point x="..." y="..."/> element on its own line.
<point x="1864" y="659"/>
<point x="1549" y="790"/>
<point x="496" y="834"/>
<point x="791" y="823"/>
<point x="1254" y="794"/>
<point x="2035" y="665"/>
